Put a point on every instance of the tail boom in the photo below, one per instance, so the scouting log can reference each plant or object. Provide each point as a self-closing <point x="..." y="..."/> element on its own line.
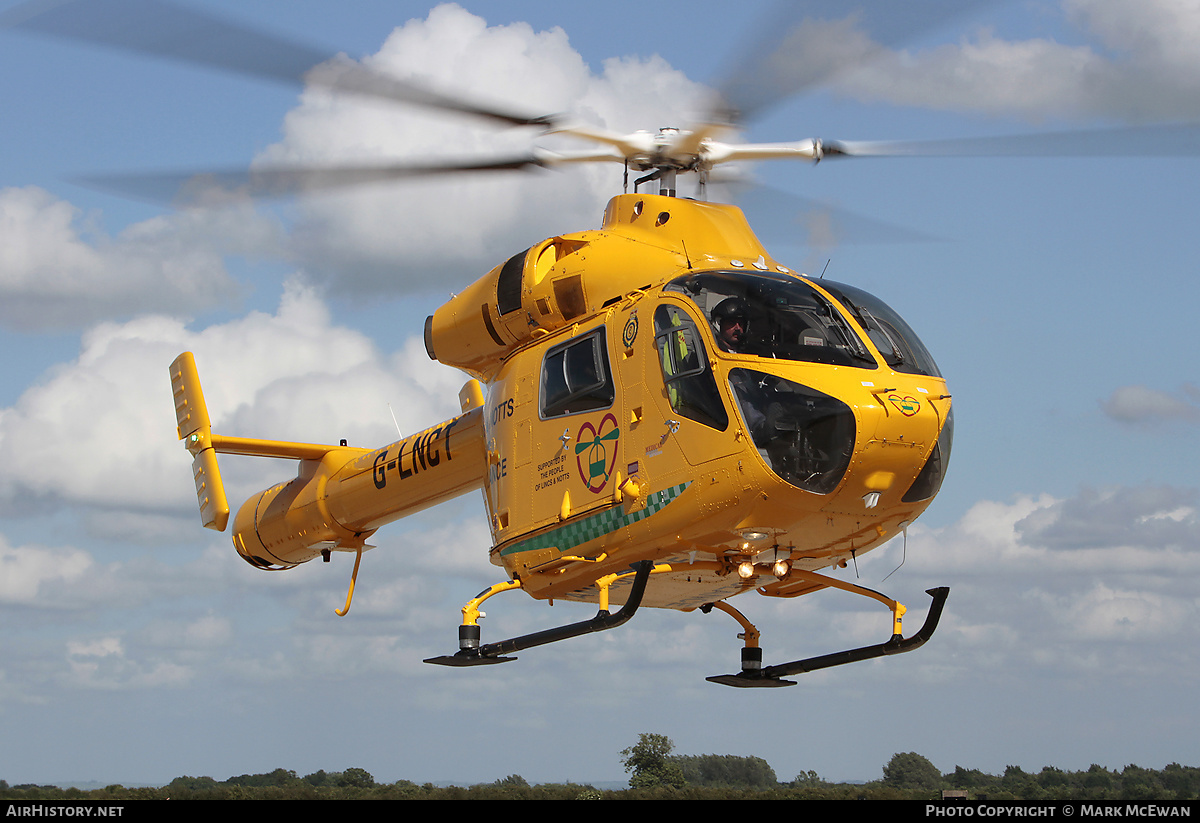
<point x="341" y="499"/>
<point x="341" y="494"/>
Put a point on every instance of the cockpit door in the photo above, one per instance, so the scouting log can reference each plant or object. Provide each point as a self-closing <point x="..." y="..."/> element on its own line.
<point x="695" y="416"/>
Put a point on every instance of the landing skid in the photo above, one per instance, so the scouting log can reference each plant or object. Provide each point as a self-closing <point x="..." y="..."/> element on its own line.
<point x="472" y="654"/>
<point x="753" y="676"/>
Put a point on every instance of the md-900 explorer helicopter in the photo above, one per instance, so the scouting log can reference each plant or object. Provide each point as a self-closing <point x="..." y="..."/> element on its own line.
<point x="659" y="413"/>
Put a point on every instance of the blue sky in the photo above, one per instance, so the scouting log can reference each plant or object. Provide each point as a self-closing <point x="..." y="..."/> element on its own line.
<point x="1056" y="294"/>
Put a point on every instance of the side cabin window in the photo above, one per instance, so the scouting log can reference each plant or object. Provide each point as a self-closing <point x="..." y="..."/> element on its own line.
<point x="691" y="388"/>
<point x="576" y="376"/>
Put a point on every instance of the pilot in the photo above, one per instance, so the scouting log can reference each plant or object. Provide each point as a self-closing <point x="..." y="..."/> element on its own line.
<point x="731" y="319"/>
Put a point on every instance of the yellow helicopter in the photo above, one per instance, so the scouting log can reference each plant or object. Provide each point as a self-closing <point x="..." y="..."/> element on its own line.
<point x="658" y="412"/>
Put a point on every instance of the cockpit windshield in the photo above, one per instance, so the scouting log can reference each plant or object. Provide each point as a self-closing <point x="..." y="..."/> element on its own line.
<point x="899" y="344"/>
<point x="768" y="315"/>
<point x="773" y="316"/>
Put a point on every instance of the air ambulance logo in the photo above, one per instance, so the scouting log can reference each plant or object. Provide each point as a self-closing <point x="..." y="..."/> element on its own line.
<point x="596" y="452"/>
<point x="907" y="404"/>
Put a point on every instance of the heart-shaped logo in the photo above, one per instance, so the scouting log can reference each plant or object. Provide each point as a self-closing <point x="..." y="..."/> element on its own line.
<point x="596" y="452"/>
<point x="908" y="405"/>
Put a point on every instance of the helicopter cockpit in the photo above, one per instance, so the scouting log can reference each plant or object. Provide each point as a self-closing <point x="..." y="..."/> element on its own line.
<point x="804" y="435"/>
<point x="780" y="318"/>
<point x="786" y="318"/>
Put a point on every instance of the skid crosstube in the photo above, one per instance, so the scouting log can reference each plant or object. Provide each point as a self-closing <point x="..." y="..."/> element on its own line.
<point x="472" y="654"/>
<point x="771" y="676"/>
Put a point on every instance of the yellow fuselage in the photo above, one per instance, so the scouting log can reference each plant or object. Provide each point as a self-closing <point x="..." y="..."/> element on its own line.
<point x="610" y="425"/>
<point x="573" y="496"/>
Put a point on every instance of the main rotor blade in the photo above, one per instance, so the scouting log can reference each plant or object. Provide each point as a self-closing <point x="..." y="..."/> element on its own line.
<point x="196" y="188"/>
<point x="1176" y="140"/>
<point x="785" y="218"/>
<point x="163" y="29"/>
<point x="803" y="44"/>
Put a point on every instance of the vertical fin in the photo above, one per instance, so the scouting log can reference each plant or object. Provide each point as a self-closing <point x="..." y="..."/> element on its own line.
<point x="195" y="429"/>
<point x="470" y="396"/>
<point x="210" y="491"/>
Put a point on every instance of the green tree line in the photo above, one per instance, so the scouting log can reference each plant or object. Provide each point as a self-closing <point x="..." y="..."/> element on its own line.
<point x="657" y="773"/>
<point x="907" y="775"/>
<point x="910" y="770"/>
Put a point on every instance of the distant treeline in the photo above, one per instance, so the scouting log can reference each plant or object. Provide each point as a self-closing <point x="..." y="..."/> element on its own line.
<point x="912" y="771"/>
<point x="908" y="776"/>
<point x="1175" y="782"/>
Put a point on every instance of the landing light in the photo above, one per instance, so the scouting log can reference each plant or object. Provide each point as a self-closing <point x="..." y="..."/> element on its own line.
<point x="745" y="570"/>
<point x="781" y="568"/>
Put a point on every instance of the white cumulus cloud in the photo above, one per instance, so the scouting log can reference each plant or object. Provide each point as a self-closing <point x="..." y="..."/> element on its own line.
<point x="59" y="270"/>
<point x="1138" y="63"/>
<point x="416" y="235"/>
<point x="99" y="431"/>
<point x="1064" y="579"/>
<point x="1144" y="405"/>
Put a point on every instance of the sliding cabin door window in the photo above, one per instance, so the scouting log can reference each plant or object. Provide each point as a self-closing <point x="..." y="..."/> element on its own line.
<point x="576" y="376"/>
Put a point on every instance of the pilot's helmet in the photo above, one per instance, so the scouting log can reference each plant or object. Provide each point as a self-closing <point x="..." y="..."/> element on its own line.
<point x="731" y="308"/>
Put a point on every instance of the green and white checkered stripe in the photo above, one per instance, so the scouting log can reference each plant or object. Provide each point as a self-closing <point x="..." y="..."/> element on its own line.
<point x="567" y="537"/>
